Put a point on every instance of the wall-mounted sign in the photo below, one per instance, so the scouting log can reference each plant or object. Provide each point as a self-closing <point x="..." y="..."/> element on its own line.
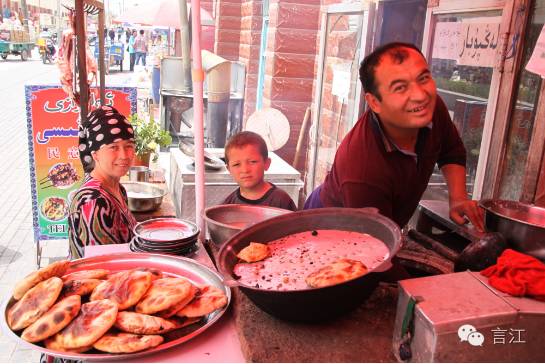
<point x="536" y="64"/>
<point x="471" y="43"/>
<point x="55" y="168"/>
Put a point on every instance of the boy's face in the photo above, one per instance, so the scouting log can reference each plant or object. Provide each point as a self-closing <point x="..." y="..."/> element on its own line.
<point x="247" y="166"/>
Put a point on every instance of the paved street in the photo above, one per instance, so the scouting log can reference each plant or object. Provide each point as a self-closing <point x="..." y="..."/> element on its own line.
<point x="17" y="247"/>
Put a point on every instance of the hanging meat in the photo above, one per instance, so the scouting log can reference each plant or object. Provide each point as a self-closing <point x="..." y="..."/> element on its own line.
<point x="67" y="61"/>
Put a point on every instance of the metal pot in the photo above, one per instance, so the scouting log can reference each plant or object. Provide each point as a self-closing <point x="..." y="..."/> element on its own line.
<point x="224" y="221"/>
<point x="522" y="225"/>
<point x="313" y="304"/>
<point x="143" y="196"/>
<point x="139" y="173"/>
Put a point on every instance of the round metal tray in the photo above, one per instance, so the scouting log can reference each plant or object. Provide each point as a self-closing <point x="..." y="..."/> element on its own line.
<point x="166" y="229"/>
<point x="172" y="266"/>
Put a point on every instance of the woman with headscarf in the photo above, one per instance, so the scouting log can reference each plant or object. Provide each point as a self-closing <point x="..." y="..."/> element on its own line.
<point x="99" y="212"/>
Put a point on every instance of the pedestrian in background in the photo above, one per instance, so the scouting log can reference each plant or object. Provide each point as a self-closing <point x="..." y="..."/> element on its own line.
<point x="111" y="34"/>
<point x="141" y="48"/>
<point x="132" y="54"/>
<point x="6" y="13"/>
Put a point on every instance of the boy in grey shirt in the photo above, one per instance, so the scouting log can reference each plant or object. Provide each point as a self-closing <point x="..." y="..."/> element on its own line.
<point x="247" y="159"/>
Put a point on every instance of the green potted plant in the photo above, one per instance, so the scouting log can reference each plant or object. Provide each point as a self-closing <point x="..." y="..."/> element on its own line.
<point x="148" y="136"/>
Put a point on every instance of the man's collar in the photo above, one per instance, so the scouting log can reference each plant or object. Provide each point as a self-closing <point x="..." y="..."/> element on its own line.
<point x="389" y="145"/>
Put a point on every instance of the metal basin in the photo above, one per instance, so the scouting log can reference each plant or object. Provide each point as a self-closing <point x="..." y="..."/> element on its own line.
<point x="312" y="304"/>
<point x="522" y="225"/>
<point x="224" y="221"/>
<point x="144" y="196"/>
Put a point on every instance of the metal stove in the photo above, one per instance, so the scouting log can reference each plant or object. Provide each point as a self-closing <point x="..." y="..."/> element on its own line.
<point x="458" y="317"/>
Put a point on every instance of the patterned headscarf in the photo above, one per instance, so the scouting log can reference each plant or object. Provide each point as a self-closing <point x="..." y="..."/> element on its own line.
<point x="103" y="126"/>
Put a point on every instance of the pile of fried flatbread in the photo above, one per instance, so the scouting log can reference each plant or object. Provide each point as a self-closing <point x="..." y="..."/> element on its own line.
<point x="113" y="312"/>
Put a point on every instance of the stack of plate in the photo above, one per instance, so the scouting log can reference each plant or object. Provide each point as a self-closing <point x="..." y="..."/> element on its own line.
<point x="165" y="235"/>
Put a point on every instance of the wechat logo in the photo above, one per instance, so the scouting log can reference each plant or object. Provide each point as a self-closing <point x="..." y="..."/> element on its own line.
<point x="470" y="334"/>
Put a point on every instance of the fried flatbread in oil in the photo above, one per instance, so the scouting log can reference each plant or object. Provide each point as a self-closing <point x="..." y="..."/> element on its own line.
<point x="55" y="269"/>
<point x="53" y="320"/>
<point x="94" y="320"/>
<point x="339" y="271"/>
<point x="127" y="343"/>
<point x="209" y="299"/>
<point x="254" y="252"/>
<point x="163" y="294"/>
<point x="125" y="289"/>
<point x="34" y="303"/>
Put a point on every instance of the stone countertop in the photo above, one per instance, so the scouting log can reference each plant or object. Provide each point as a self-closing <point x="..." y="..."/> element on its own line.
<point x="363" y="335"/>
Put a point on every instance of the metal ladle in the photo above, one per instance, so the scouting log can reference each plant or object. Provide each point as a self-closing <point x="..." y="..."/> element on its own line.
<point x="477" y="255"/>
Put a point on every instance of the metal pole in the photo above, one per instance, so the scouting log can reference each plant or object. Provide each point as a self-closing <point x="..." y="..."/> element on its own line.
<point x="101" y="68"/>
<point x="59" y="22"/>
<point x="81" y="58"/>
<point x="25" y="15"/>
<point x="184" y="36"/>
<point x="198" y="81"/>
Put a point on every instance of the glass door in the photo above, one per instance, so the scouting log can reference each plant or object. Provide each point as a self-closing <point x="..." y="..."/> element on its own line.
<point x="344" y="40"/>
<point x="462" y="47"/>
<point x="525" y="138"/>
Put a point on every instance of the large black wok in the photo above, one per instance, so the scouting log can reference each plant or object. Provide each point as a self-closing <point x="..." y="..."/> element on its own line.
<point x="313" y="304"/>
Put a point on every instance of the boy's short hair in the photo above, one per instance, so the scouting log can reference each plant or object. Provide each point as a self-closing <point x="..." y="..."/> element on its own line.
<point x="396" y="50"/>
<point x="243" y="139"/>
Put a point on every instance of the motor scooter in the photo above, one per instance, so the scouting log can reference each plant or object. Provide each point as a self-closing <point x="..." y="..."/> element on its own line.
<point x="49" y="52"/>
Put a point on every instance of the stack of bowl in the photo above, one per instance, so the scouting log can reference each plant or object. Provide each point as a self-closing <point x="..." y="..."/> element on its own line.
<point x="165" y="235"/>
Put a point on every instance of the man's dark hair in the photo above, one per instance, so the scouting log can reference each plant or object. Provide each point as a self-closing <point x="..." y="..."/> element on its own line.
<point x="396" y="50"/>
<point x="243" y="139"/>
<point x="141" y="31"/>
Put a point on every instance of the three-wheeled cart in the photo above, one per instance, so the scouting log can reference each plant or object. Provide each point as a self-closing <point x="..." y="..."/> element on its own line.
<point x="113" y="55"/>
<point x="116" y="55"/>
<point x="22" y="49"/>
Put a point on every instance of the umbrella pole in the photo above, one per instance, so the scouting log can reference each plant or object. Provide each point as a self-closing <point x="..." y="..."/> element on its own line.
<point x="198" y="127"/>
<point x="184" y="37"/>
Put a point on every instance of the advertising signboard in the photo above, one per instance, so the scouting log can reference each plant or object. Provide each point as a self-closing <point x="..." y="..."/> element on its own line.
<point x="55" y="168"/>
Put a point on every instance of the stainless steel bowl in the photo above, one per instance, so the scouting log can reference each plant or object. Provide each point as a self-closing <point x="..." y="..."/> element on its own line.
<point x="224" y="221"/>
<point x="522" y="225"/>
<point x="144" y="196"/>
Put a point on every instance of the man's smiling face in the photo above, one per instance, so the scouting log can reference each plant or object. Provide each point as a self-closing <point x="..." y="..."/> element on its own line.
<point x="407" y="91"/>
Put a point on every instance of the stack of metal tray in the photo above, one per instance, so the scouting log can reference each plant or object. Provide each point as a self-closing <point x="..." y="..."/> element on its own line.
<point x="165" y="235"/>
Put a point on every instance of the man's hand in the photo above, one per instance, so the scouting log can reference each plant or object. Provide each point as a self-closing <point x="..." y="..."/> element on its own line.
<point x="463" y="210"/>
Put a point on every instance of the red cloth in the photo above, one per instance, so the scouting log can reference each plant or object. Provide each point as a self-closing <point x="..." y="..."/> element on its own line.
<point x="517" y="274"/>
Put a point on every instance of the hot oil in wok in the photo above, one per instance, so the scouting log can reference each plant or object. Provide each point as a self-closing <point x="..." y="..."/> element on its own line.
<point x="295" y="256"/>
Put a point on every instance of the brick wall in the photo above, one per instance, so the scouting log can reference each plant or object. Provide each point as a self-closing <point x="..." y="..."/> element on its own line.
<point x="291" y="54"/>
<point x="228" y="21"/>
<point x="250" y="43"/>
<point x="208" y="5"/>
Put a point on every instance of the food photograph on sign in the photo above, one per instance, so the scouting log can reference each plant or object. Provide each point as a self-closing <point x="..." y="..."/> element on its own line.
<point x="54" y="208"/>
<point x="61" y="175"/>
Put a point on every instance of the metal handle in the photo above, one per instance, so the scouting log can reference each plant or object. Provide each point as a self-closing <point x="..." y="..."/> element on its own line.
<point x="371" y="210"/>
<point x="230" y="282"/>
